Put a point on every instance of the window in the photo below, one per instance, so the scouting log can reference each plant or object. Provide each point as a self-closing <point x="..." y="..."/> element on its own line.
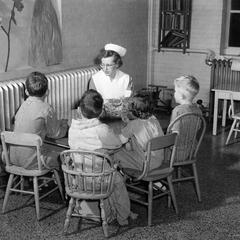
<point x="230" y="42"/>
<point x="174" y="24"/>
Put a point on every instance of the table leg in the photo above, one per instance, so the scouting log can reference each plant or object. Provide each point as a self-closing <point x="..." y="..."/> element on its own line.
<point x="215" y="114"/>
<point x="224" y="112"/>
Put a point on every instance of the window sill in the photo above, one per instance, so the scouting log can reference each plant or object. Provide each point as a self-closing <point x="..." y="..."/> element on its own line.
<point x="188" y="50"/>
<point x="231" y="51"/>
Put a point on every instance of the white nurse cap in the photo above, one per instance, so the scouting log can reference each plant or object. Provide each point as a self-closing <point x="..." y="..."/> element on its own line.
<point x="116" y="48"/>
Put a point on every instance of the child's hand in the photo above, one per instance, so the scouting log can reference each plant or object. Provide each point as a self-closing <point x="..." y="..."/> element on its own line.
<point x="124" y="117"/>
<point x="128" y="146"/>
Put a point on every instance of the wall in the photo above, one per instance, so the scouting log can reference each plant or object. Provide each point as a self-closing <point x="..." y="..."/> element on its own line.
<point x="86" y="26"/>
<point x="205" y="34"/>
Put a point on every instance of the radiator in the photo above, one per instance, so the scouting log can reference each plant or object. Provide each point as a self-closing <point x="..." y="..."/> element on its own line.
<point x="65" y="91"/>
<point x="222" y="77"/>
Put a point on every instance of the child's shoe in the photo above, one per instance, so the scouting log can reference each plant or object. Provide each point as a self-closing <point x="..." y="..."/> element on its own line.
<point x="159" y="186"/>
<point x="133" y="216"/>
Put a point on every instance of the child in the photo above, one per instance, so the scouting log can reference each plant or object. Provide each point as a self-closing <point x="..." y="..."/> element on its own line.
<point x="138" y="131"/>
<point x="37" y="116"/>
<point x="186" y="88"/>
<point x="89" y="133"/>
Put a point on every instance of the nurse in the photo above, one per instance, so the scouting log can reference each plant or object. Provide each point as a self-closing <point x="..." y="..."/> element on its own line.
<point x="111" y="82"/>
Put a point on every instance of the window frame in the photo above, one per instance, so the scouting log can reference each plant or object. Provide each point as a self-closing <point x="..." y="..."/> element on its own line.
<point x="225" y="49"/>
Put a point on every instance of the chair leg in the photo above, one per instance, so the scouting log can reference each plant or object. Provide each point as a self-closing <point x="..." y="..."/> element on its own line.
<point x="68" y="215"/>
<point x="231" y="131"/>
<point x="179" y="172"/>
<point x="36" y="196"/>
<point x="59" y="184"/>
<point x="22" y="182"/>
<point x="169" y="200"/>
<point x="236" y="132"/>
<point x="169" y="179"/>
<point x="104" y="220"/>
<point x="196" y="181"/>
<point x="150" y="199"/>
<point x="9" y="185"/>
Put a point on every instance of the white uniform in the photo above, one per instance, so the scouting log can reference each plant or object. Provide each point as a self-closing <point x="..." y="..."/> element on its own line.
<point x="119" y="87"/>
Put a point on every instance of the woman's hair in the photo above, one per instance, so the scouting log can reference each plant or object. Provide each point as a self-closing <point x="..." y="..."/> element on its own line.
<point x="36" y="84"/>
<point x="188" y="86"/>
<point x="140" y="107"/>
<point x="108" y="53"/>
<point x="91" y="104"/>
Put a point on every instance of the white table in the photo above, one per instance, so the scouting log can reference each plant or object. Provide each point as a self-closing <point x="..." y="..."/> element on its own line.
<point x="225" y="95"/>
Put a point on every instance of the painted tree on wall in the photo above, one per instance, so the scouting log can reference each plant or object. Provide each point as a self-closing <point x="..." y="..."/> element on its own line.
<point x="17" y="4"/>
<point x="45" y="41"/>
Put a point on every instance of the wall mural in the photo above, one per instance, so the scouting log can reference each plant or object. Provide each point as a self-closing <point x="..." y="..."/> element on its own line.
<point x="31" y="33"/>
<point x="45" y="41"/>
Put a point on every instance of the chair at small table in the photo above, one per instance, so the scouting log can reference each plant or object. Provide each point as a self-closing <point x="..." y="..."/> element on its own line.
<point x="17" y="174"/>
<point x="88" y="175"/>
<point x="141" y="183"/>
<point x="236" y="120"/>
<point x="191" y="128"/>
<point x="2" y="170"/>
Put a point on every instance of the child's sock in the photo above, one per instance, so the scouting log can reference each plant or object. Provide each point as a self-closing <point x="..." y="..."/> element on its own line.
<point x="77" y="208"/>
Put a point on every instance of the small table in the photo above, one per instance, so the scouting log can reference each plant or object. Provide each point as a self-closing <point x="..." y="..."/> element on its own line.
<point x="225" y="95"/>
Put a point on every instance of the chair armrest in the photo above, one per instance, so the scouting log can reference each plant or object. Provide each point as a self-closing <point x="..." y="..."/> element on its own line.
<point x="110" y="153"/>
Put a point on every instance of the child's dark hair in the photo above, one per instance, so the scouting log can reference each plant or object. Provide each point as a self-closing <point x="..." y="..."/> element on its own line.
<point x="36" y="84"/>
<point x="91" y="104"/>
<point x="140" y="107"/>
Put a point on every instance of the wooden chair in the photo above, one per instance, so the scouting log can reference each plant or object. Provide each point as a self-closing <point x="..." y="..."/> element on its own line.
<point x="236" y="120"/>
<point x="141" y="183"/>
<point x="17" y="174"/>
<point x="88" y="175"/>
<point x="3" y="174"/>
<point x="191" y="128"/>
